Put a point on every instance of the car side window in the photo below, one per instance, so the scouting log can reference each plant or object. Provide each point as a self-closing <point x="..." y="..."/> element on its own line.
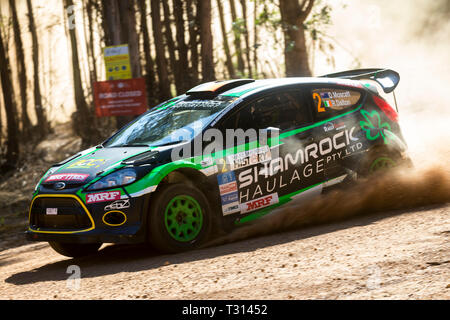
<point x="329" y="101"/>
<point x="283" y="110"/>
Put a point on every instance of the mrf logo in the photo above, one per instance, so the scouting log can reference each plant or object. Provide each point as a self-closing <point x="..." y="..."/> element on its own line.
<point x="259" y="203"/>
<point x="102" y="196"/>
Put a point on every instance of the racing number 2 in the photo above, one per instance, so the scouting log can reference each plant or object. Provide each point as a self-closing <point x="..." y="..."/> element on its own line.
<point x="319" y="102"/>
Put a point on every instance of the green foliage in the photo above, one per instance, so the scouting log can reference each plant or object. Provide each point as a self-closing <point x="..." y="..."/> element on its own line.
<point x="238" y="27"/>
<point x="319" y="20"/>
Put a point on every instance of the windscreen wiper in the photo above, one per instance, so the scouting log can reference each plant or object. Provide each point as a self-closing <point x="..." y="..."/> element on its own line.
<point x="130" y="145"/>
<point x="169" y="143"/>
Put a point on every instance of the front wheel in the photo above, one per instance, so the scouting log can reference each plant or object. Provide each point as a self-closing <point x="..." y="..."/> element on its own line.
<point x="75" y="250"/>
<point x="180" y="218"/>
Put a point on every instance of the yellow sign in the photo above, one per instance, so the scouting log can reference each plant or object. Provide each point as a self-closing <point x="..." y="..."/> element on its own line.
<point x="117" y="62"/>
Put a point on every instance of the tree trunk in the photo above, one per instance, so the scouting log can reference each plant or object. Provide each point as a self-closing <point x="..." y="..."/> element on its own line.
<point x="90" y="44"/>
<point x="255" y="38"/>
<point x="21" y="71"/>
<point x="129" y="35"/>
<point x="161" y="63"/>
<point x="171" y="48"/>
<point x="42" y="123"/>
<point x="150" y="79"/>
<point x="183" y="64"/>
<point x="246" y="38"/>
<point x="83" y="119"/>
<point x="228" y="61"/>
<point x="12" y="143"/>
<point x="194" y="26"/>
<point x="293" y="15"/>
<point x="237" y="39"/>
<point x="206" y="40"/>
<point x="111" y="22"/>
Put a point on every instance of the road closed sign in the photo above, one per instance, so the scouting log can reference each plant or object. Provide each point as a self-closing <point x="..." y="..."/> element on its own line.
<point x="120" y="97"/>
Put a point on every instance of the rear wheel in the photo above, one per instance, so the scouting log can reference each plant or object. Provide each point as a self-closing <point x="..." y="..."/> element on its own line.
<point x="75" y="250"/>
<point x="380" y="160"/>
<point x="180" y="218"/>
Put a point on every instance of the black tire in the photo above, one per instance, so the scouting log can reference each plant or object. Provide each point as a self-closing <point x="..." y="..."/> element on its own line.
<point x="75" y="250"/>
<point x="163" y="230"/>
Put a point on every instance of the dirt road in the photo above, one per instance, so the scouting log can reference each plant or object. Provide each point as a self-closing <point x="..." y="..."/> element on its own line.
<point x="395" y="255"/>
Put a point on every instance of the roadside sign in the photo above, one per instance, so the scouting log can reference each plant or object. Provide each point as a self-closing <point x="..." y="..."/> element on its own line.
<point x="117" y="62"/>
<point x="120" y="97"/>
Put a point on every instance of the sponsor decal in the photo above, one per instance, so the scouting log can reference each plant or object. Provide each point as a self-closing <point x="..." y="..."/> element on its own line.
<point x="372" y="124"/>
<point x="102" y="196"/>
<point x="76" y="177"/>
<point x="207" y="162"/>
<point x="228" y="187"/>
<point x="230" y="208"/>
<point x="339" y="125"/>
<point x="229" y="198"/>
<point x="328" y="126"/>
<point x="228" y="192"/>
<point x="297" y="167"/>
<point x="259" y="203"/>
<point x="226" y="178"/>
<point x="249" y="157"/>
<point x="118" y="205"/>
<point x="210" y="170"/>
<point x="51" y="211"/>
<point x="86" y="164"/>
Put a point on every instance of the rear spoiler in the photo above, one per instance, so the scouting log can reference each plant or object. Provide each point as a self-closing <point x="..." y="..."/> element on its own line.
<point x="386" y="78"/>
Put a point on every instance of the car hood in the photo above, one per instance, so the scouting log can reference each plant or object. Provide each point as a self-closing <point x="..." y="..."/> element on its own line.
<point x="84" y="168"/>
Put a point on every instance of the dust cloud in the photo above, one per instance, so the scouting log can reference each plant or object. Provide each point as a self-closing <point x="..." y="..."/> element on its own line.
<point x="410" y="37"/>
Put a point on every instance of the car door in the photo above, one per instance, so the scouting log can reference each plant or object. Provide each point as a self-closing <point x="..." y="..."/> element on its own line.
<point x="332" y="110"/>
<point x="260" y="172"/>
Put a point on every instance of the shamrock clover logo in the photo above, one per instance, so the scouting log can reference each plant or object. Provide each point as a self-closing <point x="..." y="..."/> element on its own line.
<point x="373" y="121"/>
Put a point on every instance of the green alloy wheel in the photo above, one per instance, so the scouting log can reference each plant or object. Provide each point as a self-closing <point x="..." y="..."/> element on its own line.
<point x="379" y="161"/>
<point x="180" y="218"/>
<point x="382" y="163"/>
<point x="183" y="218"/>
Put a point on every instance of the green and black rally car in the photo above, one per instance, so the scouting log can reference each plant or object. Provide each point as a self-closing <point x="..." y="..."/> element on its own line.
<point x="223" y="154"/>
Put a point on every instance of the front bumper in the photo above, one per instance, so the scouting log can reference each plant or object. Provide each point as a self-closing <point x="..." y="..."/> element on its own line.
<point x="95" y="236"/>
<point x="75" y="221"/>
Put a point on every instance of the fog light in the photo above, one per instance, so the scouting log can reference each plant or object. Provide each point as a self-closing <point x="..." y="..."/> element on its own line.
<point x="114" y="218"/>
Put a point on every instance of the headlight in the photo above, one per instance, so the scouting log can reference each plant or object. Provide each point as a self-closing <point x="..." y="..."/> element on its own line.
<point x="46" y="175"/>
<point x="115" y="179"/>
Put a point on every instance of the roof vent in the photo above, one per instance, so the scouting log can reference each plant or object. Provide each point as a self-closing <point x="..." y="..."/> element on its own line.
<point x="214" y="88"/>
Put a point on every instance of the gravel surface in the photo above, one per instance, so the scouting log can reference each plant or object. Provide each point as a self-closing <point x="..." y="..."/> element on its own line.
<point x="393" y="255"/>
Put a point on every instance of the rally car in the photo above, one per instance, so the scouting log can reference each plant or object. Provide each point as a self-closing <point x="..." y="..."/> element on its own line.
<point x="220" y="155"/>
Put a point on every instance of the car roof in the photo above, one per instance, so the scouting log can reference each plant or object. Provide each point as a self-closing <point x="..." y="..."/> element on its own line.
<point x="257" y="86"/>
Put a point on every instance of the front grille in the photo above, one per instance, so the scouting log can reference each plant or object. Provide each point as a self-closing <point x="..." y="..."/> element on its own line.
<point x="70" y="214"/>
<point x="69" y="185"/>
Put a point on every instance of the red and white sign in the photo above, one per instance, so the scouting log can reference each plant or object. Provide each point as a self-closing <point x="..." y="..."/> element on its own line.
<point x="76" y="177"/>
<point x="102" y="196"/>
<point x="120" y="97"/>
<point x="259" y="203"/>
<point x="227" y="187"/>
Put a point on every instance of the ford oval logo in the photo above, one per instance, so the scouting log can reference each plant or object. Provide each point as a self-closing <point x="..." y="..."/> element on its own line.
<point x="59" y="185"/>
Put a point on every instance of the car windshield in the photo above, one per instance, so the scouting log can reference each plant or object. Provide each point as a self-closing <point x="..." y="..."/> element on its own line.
<point x="170" y="122"/>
